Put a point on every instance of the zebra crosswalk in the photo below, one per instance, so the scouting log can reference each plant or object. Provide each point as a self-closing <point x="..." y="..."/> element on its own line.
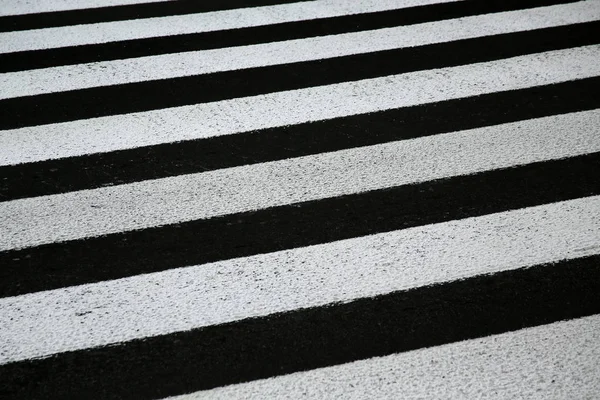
<point x="287" y="199"/>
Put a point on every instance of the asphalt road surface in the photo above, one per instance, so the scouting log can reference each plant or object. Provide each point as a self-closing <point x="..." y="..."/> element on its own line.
<point x="353" y="199"/>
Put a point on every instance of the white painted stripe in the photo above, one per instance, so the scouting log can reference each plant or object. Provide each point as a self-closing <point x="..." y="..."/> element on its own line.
<point x="291" y="107"/>
<point x="192" y="23"/>
<point x="90" y="315"/>
<point x="20" y="7"/>
<point x="558" y="361"/>
<point x="28" y="83"/>
<point x="35" y="221"/>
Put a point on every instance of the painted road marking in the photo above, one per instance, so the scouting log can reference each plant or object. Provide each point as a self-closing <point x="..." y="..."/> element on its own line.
<point x="78" y="35"/>
<point x="296" y="106"/>
<point x="546" y="362"/>
<point x="80" y="76"/>
<point x="187" y="298"/>
<point x="76" y="215"/>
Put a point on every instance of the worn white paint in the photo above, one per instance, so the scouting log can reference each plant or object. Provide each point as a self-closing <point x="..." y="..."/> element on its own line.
<point x="239" y="115"/>
<point x="558" y="361"/>
<point x="19" y="7"/>
<point x="139" y="205"/>
<point x="193" y="23"/>
<point x="49" y="322"/>
<point x="28" y="83"/>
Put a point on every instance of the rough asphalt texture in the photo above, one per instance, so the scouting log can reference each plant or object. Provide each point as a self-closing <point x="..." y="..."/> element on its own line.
<point x="300" y="199"/>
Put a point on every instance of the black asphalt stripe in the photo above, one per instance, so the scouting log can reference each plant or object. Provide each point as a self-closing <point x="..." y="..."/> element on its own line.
<point x="33" y="59"/>
<point x="131" y="253"/>
<point x="312" y="338"/>
<point x="125" y="12"/>
<point x="160" y="161"/>
<point x="144" y="96"/>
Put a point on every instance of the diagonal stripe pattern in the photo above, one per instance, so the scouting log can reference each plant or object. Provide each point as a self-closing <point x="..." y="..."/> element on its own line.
<point x="286" y="199"/>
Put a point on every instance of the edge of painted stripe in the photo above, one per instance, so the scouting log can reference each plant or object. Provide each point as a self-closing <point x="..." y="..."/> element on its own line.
<point x="558" y="360"/>
<point x="316" y="337"/>
<point x="99" y="314"/>
<point x="156" y="249"/>
<point x="53" y="57"/>
<point x="171" y="159"/>
<point x="21" y="22"/>
<point x="135" y="97"/>
<point x="326" y="102"/>
<point x="59" y="218"/>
